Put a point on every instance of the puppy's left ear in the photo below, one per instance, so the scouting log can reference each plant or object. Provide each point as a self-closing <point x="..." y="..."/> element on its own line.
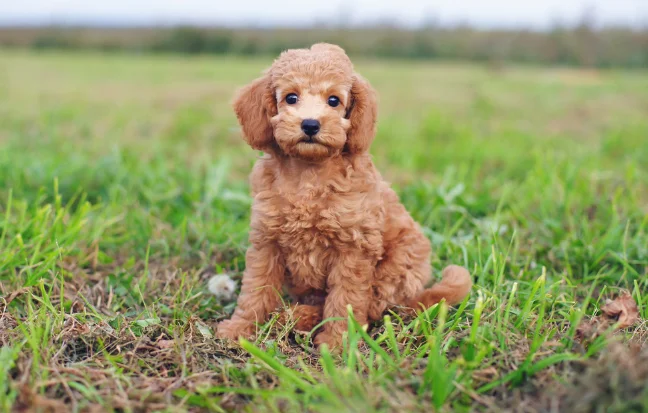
<point x="255" y="105"/>
<point x="362" y="112"/>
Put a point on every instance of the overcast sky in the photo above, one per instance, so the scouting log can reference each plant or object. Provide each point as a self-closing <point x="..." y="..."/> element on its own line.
<point x="485" y="13"/>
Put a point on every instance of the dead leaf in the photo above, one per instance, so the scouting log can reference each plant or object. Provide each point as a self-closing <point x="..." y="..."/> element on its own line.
<point x="623" y="310"/>
<point x="15" y="294"/>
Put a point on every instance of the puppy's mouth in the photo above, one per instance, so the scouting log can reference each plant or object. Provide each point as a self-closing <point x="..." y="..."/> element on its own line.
<point x="311" y="140"/>
<point x="311" y="149"/>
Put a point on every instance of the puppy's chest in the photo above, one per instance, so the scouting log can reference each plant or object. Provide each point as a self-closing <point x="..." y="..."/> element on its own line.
<point x="315" y="219"/>
<point x="316" y="227"/>
<point x="319" y="218"/>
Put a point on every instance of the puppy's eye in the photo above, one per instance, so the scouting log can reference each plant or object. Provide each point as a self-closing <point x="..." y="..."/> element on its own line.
<point x="291" y="99"/>
<point x="333" y="101"/>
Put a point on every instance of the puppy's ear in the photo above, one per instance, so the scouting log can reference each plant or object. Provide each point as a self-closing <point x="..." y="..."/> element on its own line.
<point x="362" y="113"/>
<point x="255" y="105"/>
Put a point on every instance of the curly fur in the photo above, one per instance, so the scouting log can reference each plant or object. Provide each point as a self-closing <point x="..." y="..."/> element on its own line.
<point x="324" y="224"/>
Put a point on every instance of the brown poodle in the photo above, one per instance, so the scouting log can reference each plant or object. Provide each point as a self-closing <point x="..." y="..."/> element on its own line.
<point x="324" y="223"/>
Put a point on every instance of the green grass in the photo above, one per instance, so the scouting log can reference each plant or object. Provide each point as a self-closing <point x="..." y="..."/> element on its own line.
<point x="123" y="189"/>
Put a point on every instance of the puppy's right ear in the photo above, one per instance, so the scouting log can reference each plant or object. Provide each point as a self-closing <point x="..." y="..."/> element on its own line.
<point x="255" y="105"/>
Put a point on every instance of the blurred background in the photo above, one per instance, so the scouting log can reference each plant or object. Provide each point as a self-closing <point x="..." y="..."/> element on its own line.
<point x="600" y="33"/>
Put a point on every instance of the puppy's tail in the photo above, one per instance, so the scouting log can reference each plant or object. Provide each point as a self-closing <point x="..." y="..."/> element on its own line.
<point x="454" y="286"/>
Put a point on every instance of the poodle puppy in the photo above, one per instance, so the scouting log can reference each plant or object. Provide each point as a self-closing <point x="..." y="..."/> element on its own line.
<point x="324" y="223"/>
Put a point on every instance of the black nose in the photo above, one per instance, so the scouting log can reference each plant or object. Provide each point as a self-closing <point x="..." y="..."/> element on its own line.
<point x="310" y="126"/>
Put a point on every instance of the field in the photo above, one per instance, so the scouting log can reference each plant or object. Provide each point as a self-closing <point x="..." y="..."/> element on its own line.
<point x="123" y="189"/>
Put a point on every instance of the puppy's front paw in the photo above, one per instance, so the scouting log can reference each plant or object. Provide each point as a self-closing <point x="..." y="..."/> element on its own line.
<point x="235" y="328"/>
<point x="332" y="340"/>
<point x="307" y="317"/>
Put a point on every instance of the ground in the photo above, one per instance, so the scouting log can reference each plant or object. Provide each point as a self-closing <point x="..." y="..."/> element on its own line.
<point x="123" y="190"/>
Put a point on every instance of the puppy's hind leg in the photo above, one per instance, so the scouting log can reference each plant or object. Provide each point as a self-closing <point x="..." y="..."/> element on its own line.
<point x="405" y="270"/>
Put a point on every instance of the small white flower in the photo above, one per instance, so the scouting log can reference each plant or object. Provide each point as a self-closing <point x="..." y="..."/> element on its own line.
<point x="222" y="286"/>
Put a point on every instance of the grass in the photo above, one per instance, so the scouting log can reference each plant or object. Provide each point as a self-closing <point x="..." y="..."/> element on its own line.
<point x="123" y="189"/>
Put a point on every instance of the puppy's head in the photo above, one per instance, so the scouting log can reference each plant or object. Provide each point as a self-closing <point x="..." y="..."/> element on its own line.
<point x="310" y="104"/>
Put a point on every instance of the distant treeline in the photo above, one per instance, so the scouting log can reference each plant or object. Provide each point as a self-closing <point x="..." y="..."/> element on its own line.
<point x="576" y="46"/>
